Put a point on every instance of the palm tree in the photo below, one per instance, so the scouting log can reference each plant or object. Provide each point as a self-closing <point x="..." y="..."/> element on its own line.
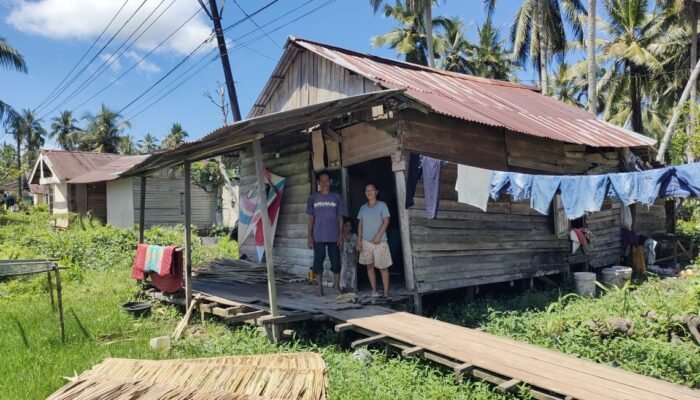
<point x="27" y="129"/>
<point x="126" y="145"/>
<point x="10" y="58"/>
<point x="63" y="128"/>
<point x="639" y="47"/>
<point x="455" y="46"/>
<point x="590" y="58"/>
<point x="487" y="57"/>
<point x="409" y="38"/>
<point x="538" y="32"/>
<point x="176" y="136"/>
<point x="423" y="9"/>
<point x="567" y="86"/>
<point x="148" y="144"/>
<point x="104" y="130"/>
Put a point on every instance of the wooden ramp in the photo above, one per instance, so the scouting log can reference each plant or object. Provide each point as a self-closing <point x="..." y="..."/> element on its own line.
<point x="517" y="363"/>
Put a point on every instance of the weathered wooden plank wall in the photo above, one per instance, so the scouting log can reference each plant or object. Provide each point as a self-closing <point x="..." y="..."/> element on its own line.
<point x="650" y="220"/>
<point x="165" y="201"/>
<point x="368" y="141"/>
<point x="294" y="163"/>
<point x="606" y="226"/>
<point x="311" y="79"/>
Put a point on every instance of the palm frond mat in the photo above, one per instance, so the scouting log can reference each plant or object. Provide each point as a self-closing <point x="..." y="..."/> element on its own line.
<point x="294" y="376"/>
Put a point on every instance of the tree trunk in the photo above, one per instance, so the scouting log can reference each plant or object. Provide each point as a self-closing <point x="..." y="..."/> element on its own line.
<point x="542" y="44"/>
<point x="592" y="95"/>
<point x="661" y="156"/>
<point x="637" y="124"/>
<point x="693" y="90"/>
<point x="19" y="168"/>
<point x="428" y="5"/>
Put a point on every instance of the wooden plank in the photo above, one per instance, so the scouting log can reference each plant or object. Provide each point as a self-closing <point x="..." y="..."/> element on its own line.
<point x="509" y="386"/>
<point x="142" y="210"/>
<point x="248" y="316"/>
<point x="286" y="319"/>
<point x="346" y="326"/>
<point x="404" y="226"/>
<point x="367" y="341"/>
<point x="412" y="351"/>
<point x="188" y="233"/>
<point x="461" y="370"/>
<point x="228" y="311"/>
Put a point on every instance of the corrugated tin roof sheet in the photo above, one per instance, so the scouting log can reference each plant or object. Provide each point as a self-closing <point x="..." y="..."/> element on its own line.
<point x="110" y="171"/>
<point x="495" y="103"/>
<point x="69" y="164"/>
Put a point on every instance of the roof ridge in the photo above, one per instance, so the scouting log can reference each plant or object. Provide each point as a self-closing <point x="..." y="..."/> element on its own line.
<point x="81" y="152"/>
<point x="418" y="66"/>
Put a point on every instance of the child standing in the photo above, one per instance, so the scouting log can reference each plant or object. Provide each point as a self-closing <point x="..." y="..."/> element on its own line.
<point x="348" y="259"/>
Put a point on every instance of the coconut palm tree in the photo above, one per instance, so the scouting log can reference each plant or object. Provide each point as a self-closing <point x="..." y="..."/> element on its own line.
<point x="64" y="129"/>
<point x="487" y="57"/>
<point x="423" y="9"/>
<point x="590" y="58"/>
<point x="104" y="130"/>
<point x="148" y="144"/>
<point x="455" y="46"/>
<point x="639" y="47"/>
<point x="27" y="129"/>
<point x="567" y="85"/>
<point x="538" y="32"/>
<point x="126" y="145"/>
<point x="176" y="136"/>
<point x="408" y="39"/>
<point x="10" y="58"/>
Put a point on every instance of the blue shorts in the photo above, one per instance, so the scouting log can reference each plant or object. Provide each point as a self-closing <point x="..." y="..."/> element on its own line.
<point x="320" y="256"/>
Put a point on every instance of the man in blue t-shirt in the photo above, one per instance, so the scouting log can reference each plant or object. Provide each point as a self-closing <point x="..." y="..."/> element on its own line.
<point x="325" y="212"/>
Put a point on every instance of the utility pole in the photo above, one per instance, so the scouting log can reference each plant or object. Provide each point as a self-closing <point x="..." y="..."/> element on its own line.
<point x="213" y="13"/>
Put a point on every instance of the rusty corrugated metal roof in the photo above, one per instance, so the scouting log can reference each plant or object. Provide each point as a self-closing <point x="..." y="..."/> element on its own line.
<point x="495" y="103"/>
<point x="69" y="164"/>
<point x="110" y="171"/>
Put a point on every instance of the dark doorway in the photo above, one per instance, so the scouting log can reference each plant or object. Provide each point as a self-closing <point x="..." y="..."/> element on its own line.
<point x="377" y="171"/>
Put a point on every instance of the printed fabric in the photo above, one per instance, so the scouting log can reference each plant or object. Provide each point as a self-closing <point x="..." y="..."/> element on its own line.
<point x="326" y="209"/>
<point x="377" y="254"/>
<point x="348" y="263"/>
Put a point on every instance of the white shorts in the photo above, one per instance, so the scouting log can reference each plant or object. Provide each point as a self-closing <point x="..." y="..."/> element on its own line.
<point x="377" y="254"/>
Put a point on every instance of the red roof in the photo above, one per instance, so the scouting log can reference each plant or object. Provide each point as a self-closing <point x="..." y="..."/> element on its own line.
<point x="490" y="102"/>
<point x="109" y="171"/>
<point x="69" y="164"/>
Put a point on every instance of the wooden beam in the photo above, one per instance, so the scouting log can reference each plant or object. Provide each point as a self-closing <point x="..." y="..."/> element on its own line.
<point x="333" y="134"/>
<point x="267" y="231"/>
<point x="225" y="312"/>
<point x="346" y="326"/>
<point x="142" y="209"/>
<point x="509" y="386"/>
<point x="461" y="370"/>
<point x="244" y="317"/>
<point x="367" y="341"/>
<point x="188" y="234"/>
<point x="412" y="351"/>
<point x="404" y="224"/>
<point x="285" y="319"/>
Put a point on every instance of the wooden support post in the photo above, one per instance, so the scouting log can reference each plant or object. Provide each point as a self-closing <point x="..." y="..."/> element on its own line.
<point x="48" y="275"/>
<point x="245" y="317"/>
<point x="417" y="303"/>
<point x="142" y="210"/>
<point x="398" y="165"/>
<point x="367" y="341"/>
<point x="461" y="370"/>
<point x="59" y="299"/>
<point x="267" y="234"/>
<point x="345" y="326"/>
<point x="509" y="386"/>
<point x="188" y="234"/>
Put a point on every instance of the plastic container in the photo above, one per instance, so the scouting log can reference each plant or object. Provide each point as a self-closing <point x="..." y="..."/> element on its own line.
<point x="585" y="283"/>
<point x="616" y="275"/>
<point x="626" y="272"/>
<point x="138" y="308"/>
<point x="161" y="343"/>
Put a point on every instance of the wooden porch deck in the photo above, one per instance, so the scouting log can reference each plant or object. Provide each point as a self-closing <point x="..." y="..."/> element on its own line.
<point x="506" y="363"/>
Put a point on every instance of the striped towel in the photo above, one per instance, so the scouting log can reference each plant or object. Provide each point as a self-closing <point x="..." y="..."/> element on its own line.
<point x="154" y="259"/>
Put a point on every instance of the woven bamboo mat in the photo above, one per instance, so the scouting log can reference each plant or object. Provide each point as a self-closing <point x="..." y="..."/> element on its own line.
<point x="227" y="270"/>
<point x="298" y="376"/>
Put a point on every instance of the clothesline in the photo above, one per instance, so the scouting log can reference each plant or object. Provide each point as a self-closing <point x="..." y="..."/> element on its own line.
<point x="581" y="194"/>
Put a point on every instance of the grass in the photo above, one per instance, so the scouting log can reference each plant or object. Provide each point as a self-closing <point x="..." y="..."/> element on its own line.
<point x="34" y="362"/>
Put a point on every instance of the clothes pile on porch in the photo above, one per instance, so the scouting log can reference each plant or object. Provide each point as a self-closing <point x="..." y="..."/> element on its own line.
<point x="163" y="264"/>
<point x="278" y="376"/>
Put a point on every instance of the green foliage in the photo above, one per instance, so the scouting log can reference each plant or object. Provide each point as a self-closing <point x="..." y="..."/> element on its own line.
<point x="8" y="163"/>
<point x="206" y="174"/>
<point x="654" y="347"/>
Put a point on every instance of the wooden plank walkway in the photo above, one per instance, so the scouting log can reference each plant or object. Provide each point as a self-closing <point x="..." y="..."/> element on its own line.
<point x="535" y="366"/>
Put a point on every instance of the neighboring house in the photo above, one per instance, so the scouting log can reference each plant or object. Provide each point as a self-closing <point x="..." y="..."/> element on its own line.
<point x="85" y="182"/>
<point x="361" y="116"/>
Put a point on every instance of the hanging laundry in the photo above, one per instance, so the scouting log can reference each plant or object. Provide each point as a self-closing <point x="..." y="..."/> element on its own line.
<point x="333" y="153"/>
<point x="517" y="185"/>
<point x="431" y="184"/>
<point x="582" y="194"/>
<point x="499" y="180"/>
<point x="649" y="249"/>
<point x="623" y="186"/>
<point x="413" y="175"/>
<point x="473" y="186"/>
<point x="639" y="264"/>
<point x="562" y="225"/>
<point x="575" y="241"/>
<point x="649" y="184"/>
<point x="543" y="189"/>
<point x="626" y="217"/>
<point x="318" y="148"/>
<point x="689" y="174"/>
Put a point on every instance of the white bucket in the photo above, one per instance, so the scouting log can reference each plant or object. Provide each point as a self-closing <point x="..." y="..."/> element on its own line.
<point x="616" y="276"/>
<point x="585" y="283"/>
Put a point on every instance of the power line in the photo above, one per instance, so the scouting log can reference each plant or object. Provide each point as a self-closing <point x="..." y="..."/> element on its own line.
<point x="256" y="24"/>
<point x="179" y="84"/>
<point x="153" y="50"/>
<point x="188" y="56"/>
<point x="83" y="56"/>
<point x="96" y="55"/>
<point x="116" y="55"/>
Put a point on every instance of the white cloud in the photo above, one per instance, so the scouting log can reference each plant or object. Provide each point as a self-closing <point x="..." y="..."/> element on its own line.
<point x="115" y="64"/>
<point x="145" y="65"/>
<point x="85" y="19"/>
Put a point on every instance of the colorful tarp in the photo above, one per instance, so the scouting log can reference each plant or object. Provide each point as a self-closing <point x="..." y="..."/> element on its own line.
<point x="250" y="221"/>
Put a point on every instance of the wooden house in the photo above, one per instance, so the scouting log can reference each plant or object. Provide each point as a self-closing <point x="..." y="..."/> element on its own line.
<point x="360" y="116"/>
<point x="86" y="182"/>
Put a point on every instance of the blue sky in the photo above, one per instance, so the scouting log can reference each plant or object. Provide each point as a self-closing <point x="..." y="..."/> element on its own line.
<point x="53" y="35"/>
